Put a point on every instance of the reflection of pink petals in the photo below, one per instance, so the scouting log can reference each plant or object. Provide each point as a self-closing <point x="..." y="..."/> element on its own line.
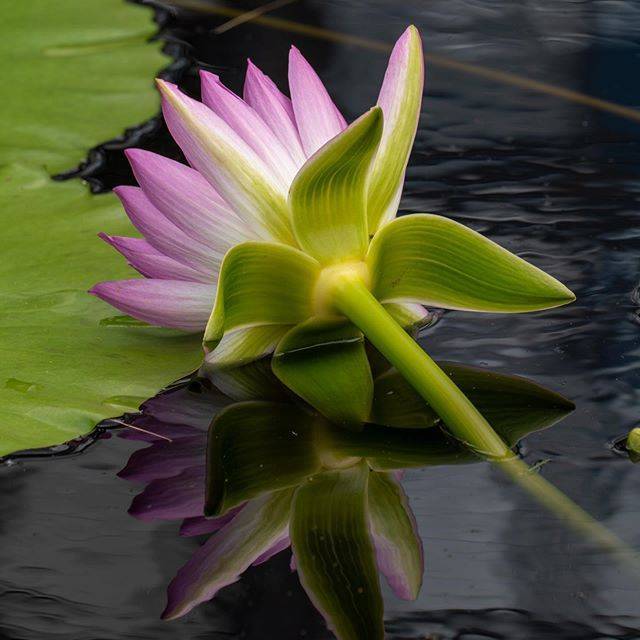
<point x="165" y="459"/>
<point x="186" y="408"/>
<point x="200" y="525"/>
<point x="179" y="496"/>
<point x="227" y="554"/>
<point x="146" y="428"/>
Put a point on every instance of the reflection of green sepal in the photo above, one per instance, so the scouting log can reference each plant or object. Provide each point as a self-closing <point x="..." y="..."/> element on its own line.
<point x="395" y="532"/>
<point x="514" y="406"/>
<point x="334" y="553"/>
<point x="255" y="448"/>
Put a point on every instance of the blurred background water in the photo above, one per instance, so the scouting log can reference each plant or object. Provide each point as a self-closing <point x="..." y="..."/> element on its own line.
<point x="553" y="180"/>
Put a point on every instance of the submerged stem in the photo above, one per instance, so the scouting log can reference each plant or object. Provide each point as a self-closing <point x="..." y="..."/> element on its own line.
<point x="352" y="298"/>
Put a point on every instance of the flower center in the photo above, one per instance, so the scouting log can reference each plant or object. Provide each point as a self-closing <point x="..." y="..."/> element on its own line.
<point x="328" y="279"/>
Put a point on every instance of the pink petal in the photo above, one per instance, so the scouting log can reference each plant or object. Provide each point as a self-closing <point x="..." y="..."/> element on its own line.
<point x="248" y="125"/>
<point x="400" y="99"/>
<point x="164" y="235"/>
<point x="392" y="92"/>
<point x="200" y="525"/>
<point x="318" y="119"/>
<point x="175" y="304"/>
<point x="186" y="199"/>
<point x="150" y="262"/>
<point x="172" y="498"/>
<point x="213" y="148"/>
<point x="275" y="109"/>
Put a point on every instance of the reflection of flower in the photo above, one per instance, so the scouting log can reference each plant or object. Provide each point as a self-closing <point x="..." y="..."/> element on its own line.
<point x="245" y="155"/>
<point x="251" y="532"/>
<point x="278" y="474"/>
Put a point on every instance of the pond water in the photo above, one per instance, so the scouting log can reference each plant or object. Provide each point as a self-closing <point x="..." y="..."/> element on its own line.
<point x="556" y="182"/>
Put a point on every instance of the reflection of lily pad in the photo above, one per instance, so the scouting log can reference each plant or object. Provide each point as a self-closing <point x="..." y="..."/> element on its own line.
<point x="79" y="73"/>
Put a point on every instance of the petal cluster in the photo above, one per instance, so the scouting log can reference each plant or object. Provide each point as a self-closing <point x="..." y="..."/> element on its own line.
<point x="244" y="155"/>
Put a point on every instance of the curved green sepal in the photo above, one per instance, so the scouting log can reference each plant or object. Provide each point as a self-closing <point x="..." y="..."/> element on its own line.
<point x="400" y="99"/>
<point x="324" y="361"/>
<point x="241" y="346"/>
<point x="261" y="284"/>
<point x="395" y="534"/>
<point x="438" y="262"/>
<point x="256" y="448"/>
<point x="334" y="555"/>
<point x="328" y="196"/>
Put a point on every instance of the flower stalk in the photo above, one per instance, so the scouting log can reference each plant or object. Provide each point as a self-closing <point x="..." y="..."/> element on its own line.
<point x="353" y="299"/>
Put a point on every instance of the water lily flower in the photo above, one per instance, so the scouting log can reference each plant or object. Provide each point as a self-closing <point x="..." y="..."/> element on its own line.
<point x="244" y="155"/>
<point x="292" y="213"/>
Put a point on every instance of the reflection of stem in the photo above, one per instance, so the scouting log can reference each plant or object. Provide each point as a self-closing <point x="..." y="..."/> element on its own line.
<point x="353" y="299"/>
<point x="568" y="511"/>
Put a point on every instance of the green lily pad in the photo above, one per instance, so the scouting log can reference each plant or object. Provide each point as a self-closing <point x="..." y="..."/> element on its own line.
<point x="77" y="73"/>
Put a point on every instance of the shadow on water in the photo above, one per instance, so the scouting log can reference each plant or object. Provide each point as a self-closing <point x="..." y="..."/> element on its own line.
<point x="552" y="180"/>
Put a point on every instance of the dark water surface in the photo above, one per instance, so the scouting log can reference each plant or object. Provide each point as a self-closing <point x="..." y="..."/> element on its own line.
<point x="555" y="182"/>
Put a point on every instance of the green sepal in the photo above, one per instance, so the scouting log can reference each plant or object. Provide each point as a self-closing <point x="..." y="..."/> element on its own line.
<point x="324" y="361"/>
<point x="261" y="284"/>
<point x="437" y="262"/>
<point x="328" y="196"/>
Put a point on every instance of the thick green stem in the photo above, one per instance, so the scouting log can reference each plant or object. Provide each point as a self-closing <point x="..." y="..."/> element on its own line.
<point x="354" y="300"/>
